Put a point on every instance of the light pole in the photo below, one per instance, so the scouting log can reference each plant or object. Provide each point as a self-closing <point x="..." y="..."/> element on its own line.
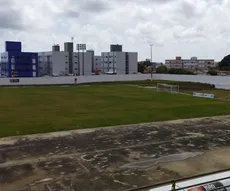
<point x="151" y="52"/>
<point x="151" y="59"/>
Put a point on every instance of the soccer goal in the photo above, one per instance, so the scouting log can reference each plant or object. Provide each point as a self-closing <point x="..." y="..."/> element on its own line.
<point x="168" y="88"/>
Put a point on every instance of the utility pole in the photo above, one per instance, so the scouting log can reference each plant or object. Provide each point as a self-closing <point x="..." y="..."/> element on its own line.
<point x="78" y="57"/>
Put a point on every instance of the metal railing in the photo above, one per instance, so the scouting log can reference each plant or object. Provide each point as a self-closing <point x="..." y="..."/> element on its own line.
<point x="200" y="184"/>
<point x="173" y="182"/>
<point x="47" y="188"/>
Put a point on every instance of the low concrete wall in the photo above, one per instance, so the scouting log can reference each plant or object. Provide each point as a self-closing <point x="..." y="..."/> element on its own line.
<point x="71" y="79"/>
<point x="219" y="81"/>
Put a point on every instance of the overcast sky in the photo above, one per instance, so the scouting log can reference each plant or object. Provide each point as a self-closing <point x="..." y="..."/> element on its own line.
<point x="175" y="27"/>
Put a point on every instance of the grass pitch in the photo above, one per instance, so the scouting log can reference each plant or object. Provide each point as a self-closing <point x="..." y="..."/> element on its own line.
<point x="45" y="109"/>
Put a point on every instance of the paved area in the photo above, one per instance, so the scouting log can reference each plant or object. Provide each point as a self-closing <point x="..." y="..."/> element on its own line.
<point x="115" y="158"/>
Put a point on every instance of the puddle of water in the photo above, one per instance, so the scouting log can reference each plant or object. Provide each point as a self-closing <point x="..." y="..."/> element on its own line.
<point x="164" y="159"/>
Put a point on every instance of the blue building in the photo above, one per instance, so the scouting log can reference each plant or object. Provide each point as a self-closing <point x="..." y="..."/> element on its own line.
<point x="15" y="63"/>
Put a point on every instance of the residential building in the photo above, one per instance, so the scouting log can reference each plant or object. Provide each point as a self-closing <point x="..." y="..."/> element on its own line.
<point x="118" y="62"/>
<point x="57" y="63"/>
<point x="193" y="63"/>
<point x="15" y="63"/>
<point x="53" y="63"/>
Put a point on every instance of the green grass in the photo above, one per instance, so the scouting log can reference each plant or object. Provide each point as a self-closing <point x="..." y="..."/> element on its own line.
<point x="45" y="109"/>
<point x="183" y="85"/>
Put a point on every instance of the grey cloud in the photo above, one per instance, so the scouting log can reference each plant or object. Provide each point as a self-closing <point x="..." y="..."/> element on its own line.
<point x="89" y="6"/>
<point x="99" y="6"/>
<point x="161" y="1"/>
<point x="188" y="9"/>
<point x="9" y="17"/>
<point x="147" y="1"/>
<point x="191" y="11"/>
<point x="189" y="35"/>
<point x="71" y="13"/>
<point x="95" y="6"/>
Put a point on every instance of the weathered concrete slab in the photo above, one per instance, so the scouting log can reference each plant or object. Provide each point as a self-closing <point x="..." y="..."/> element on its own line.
<point x="100" y="159"/>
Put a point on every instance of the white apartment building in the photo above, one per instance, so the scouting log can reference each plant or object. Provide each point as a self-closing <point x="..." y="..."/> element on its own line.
<point x="119" y="62"/>
<point x="57" y="63"/>
<point x="193" y="63"/>
<point x="53" y="63"/>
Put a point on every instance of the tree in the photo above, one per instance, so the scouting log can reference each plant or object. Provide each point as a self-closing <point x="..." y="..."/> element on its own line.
<point x="179" y="71"/>
<point x="142" y="65"/>
<point x="212" y="72"/>
<point x="162" y="70"/>
<point x="224" y="64"/>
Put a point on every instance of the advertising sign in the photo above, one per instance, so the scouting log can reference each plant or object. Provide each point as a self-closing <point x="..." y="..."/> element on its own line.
<point x="210" y="187"/>
<point x="204" y="95"/>
<point x="14" y="80"/>
<point x="195" y="94"/>
<point x="208" y="96"/>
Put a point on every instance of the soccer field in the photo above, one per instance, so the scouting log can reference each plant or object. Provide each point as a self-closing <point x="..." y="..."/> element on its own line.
<point x="45" y="109"/>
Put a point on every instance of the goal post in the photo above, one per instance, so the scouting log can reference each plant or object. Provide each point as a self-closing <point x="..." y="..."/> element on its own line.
<point x="168" y="88"/>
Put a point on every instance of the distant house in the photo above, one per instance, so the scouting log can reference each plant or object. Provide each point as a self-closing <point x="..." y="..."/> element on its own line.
<point x="223" y="73"/>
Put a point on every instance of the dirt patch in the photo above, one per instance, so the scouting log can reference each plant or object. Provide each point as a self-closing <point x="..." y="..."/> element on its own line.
<point x="97" y="159"/>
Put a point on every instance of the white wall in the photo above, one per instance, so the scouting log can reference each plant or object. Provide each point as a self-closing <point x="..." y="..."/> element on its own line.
<point x="120" y="63"/>
<point x="71" y="79"/>
<point x="87" y="63"/>
<point x="219" y="81"/>
<point x="59" y="63"/>
<point x="132" y="62"/>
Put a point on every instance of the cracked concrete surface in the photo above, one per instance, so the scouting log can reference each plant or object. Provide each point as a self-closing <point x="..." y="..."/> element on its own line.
<point x="97" y="159"/>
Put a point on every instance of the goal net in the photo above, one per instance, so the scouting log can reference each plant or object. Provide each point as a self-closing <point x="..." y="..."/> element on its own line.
<point x="168" y="88"/>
